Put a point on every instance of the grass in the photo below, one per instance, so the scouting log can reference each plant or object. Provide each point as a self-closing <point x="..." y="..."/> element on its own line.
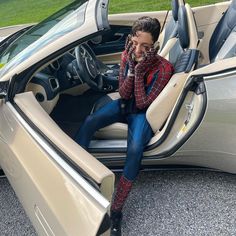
<point x="15" y="12"/>
<point x="119" y="6"/>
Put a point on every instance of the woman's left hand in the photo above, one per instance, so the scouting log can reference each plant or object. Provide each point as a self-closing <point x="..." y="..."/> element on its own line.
<point x="148" y="59"/>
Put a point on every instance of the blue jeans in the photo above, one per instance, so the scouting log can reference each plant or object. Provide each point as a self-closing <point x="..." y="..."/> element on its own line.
<point x="139" y="133"/>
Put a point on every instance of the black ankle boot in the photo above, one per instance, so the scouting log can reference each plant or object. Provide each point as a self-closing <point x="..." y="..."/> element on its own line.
<point x="116" y="217"/>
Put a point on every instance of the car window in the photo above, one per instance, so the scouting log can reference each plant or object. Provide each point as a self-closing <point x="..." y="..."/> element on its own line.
<point x="62" y="22"/>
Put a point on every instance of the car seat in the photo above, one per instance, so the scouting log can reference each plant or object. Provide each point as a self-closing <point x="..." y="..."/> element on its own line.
<point x="173" y="47"/>
<point x="223" y="40"/>
<point x="169" y="33"/>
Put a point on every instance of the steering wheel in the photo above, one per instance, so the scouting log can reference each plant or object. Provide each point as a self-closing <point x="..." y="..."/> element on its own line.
<point x="88" y="67"/>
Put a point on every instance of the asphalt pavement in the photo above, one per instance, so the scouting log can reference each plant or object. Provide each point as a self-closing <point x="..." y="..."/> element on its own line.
<point x="13" y="220"/>
<point x="164" y="203"/>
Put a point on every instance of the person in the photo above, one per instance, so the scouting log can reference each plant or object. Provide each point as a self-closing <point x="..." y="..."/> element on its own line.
<point x="142" y="76"/>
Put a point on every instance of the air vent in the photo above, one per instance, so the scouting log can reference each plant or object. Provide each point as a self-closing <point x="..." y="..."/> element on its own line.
<point x="54" y="83"/>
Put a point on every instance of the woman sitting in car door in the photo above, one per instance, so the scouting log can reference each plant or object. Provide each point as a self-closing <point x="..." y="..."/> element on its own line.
<point x="143" y="75"/>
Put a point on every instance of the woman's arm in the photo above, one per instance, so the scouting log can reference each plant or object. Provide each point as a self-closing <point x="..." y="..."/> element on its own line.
<point x="126" y="80"/>
<point x="161" y="76"/>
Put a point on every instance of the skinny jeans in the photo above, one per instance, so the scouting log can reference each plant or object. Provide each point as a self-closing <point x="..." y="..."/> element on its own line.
<point x="139" y="133"/>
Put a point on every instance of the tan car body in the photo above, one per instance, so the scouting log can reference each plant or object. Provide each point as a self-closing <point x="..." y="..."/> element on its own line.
<point x="63" y="188"/>
<point x="56" y="197"/>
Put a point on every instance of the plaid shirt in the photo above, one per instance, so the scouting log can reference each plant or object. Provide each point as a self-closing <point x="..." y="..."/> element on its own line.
<point x="148" y="84"/>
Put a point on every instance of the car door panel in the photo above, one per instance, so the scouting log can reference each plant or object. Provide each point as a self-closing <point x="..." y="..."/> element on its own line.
<point x="212" y="144"/>
<point x="215" y="138"/>
<point x="64" y="190"/>
<point x="55" y="195"/>
<point x="127" y="19"/>
<point x="111" y="42"/>
<point x="109" y="46"/>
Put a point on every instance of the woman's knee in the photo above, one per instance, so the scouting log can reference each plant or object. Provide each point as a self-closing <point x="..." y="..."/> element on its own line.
<point x="135" y="146"/>
<point x="89" y="119"/>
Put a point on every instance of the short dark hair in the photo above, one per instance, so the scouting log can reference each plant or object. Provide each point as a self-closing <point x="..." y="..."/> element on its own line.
<point x="148" y="25"/>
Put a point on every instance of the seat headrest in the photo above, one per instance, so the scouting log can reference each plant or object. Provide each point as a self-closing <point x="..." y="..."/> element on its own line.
<point x="175" y="4"/>
<point x="231" y="15"/>
<point x="175" y="9"/>
<point x="183" y="30"/>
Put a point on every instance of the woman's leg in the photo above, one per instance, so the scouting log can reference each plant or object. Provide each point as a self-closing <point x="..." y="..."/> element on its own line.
<point x="139" y="134"/>
<point x="105" y="116"/>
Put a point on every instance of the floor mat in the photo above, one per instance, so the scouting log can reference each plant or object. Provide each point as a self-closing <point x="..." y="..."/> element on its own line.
<point x="70" y="128"/>
<point x="71" y="111"/>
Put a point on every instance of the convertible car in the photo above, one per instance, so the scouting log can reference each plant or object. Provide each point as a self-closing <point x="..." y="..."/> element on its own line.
<point x="54" y="74"/>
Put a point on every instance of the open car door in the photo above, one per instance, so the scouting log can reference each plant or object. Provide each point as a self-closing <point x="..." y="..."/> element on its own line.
<point x="63" y="189"/>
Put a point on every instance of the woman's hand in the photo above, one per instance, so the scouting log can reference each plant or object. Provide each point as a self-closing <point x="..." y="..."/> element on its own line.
<point x="148" y="59"/>
<point x="129" y="47"/>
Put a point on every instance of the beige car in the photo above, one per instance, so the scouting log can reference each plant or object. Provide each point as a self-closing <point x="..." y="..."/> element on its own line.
<point x="53" y="74"/>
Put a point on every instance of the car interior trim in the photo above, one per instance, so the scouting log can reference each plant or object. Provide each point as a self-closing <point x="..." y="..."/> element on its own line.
<point x="101" y="15"/>
<point x="219" y="75"/>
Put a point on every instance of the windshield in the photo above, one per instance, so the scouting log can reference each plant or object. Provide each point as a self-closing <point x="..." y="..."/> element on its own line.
<point x="62" y="22"/>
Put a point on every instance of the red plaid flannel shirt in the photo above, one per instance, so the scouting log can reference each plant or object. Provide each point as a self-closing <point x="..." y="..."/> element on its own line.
<point x="145" y="86"/>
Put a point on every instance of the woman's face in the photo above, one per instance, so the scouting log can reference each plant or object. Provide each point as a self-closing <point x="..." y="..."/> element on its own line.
<point x="142" y="42"/>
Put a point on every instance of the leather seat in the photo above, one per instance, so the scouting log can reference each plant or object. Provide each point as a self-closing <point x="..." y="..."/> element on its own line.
<point x="169" y="34"/>
<point x="223" y="40"/>
<point x="186" y="30"/>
